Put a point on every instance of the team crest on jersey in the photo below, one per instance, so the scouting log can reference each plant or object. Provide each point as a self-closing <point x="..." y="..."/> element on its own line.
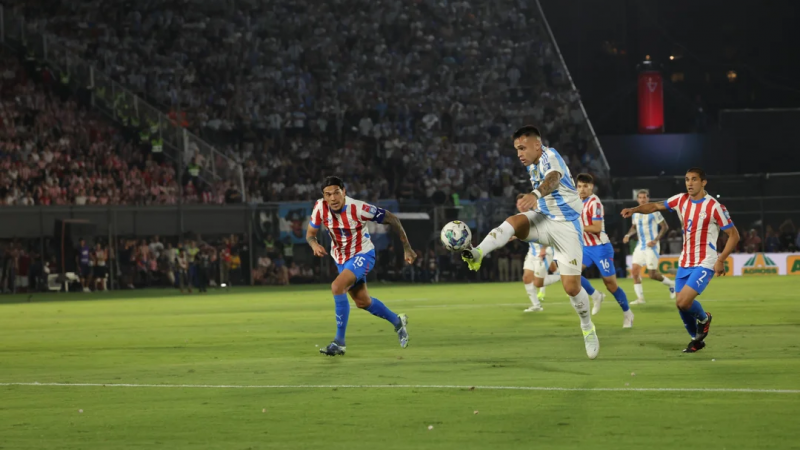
<point x="703" y="214"/>
<point x="370" y="209"/>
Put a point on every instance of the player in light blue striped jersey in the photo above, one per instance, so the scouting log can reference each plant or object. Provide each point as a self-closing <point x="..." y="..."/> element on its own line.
<point x="551" y="216"/>
<point x="649" y="229"/>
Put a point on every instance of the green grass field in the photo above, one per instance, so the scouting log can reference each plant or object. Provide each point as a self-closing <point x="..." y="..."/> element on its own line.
<point x="241" y="370"/>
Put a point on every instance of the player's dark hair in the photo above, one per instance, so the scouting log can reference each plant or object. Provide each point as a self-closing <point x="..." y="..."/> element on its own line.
<point x="700" y="172"/>
<point x="585" y="178"/>
<point x="527" y="130"/>
<point x="332" y="181"/>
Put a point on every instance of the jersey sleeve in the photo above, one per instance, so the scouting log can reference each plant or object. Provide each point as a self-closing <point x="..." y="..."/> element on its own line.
<point x="659" y="218"/>
<point x="316" y="215"/>
<point x="371" y="213"/>
<point x="722" y="217"/>
<point x="552" y="163"/>
<point x="597" y="212"/>
<point x="672" y="202"/>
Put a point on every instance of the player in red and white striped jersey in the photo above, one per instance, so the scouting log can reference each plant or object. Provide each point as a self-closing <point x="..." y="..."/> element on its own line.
<point x="598" y="251"/>
<point x="702" y="217"/>
<point x="346" y="221"/>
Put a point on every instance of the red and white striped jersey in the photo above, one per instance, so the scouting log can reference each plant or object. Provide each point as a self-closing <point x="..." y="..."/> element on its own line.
<point x="592" y="212"/>
<point x="701" y="222"/>
<point x="347" y="227"/>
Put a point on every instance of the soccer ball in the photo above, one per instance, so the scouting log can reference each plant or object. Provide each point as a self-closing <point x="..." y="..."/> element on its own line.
<point x="456" y="236"/>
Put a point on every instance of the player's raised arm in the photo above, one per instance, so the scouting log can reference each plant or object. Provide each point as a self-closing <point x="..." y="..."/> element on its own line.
<point x="393" y="222"/>
<point x="647" y="208"/>
<point x="550" y="183"/>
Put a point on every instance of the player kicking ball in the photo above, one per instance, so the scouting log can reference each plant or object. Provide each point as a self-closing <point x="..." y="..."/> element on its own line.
<point x="551" y="217"/>
<point x="649" y="229"/>
<point x="597" y="250"/>
<point x="346" y="219"/>
<point x="702" y="217"/>
<point x="535" y="272"/>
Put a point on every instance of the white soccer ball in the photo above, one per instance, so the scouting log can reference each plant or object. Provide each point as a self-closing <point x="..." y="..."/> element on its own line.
<point x="456" y="236"/>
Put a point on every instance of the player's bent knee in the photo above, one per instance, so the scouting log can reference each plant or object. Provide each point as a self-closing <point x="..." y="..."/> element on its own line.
<point x="572" y="285"/>
<point x="521" y="225"/>
<point x="527" y="277"/>
<point x="338" y="287"/>
<point x="683" y="301"/>
<point x="538" y="282"/>
<point x="611" y="284"/>
<point x="362" y="303"/>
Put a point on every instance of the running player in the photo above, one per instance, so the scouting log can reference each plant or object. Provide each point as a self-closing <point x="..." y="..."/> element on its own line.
<point x="535" y="272"/>
<point x="345" y="219"/>
<point x="597" y="250"/>
<point x="555" y="222"/>
<point x="702" y="217"/>
<point x="646" y="253"/>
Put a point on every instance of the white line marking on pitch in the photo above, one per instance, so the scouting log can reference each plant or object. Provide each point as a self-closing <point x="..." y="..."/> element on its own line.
<point x="407" y="386"/>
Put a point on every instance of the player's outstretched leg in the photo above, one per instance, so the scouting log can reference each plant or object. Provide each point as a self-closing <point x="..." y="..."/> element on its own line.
<point x="376" y="307"/>
<point x="518" y="225"/>
<point x="657" y="276"/>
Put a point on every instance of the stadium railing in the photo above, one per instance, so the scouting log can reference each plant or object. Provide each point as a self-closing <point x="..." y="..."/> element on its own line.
<point x="119" y="103"/>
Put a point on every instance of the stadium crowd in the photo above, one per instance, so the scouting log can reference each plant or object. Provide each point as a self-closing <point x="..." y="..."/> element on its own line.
<point x="385" y="93"/>
<point x="55" y="151"/>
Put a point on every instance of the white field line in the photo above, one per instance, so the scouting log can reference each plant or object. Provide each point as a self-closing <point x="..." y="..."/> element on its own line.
<point x="407" y="386"/>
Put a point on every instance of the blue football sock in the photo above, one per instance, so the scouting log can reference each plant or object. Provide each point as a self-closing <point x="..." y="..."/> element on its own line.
<point x="342" y="315"/>
<point x="378" y="309"/>
<point x="689" y="322"/>
<point x="586" y="285"/>
<point x="622" y="299"/>
<point x="696" y="310"/>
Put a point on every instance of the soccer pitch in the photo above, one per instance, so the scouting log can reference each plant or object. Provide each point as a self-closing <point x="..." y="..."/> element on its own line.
<point x="241" y="370"/>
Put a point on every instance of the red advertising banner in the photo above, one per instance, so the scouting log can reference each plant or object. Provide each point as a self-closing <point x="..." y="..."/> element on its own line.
<point x="651" y="103"/>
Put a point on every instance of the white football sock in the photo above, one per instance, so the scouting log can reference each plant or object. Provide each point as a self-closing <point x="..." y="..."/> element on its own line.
<point x="541" y="289"/>
<point x="581" y="304"/>
<point x="668" y="282"/>
<point x="550" y="279"/>
<point x="639" y="291"/>
<point x="532" y="294"/>
<point x="497" y="238"/>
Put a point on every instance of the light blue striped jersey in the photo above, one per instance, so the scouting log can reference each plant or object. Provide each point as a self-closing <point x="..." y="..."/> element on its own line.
<point x="647" y="227"/>
<point x="563" y="204"/>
